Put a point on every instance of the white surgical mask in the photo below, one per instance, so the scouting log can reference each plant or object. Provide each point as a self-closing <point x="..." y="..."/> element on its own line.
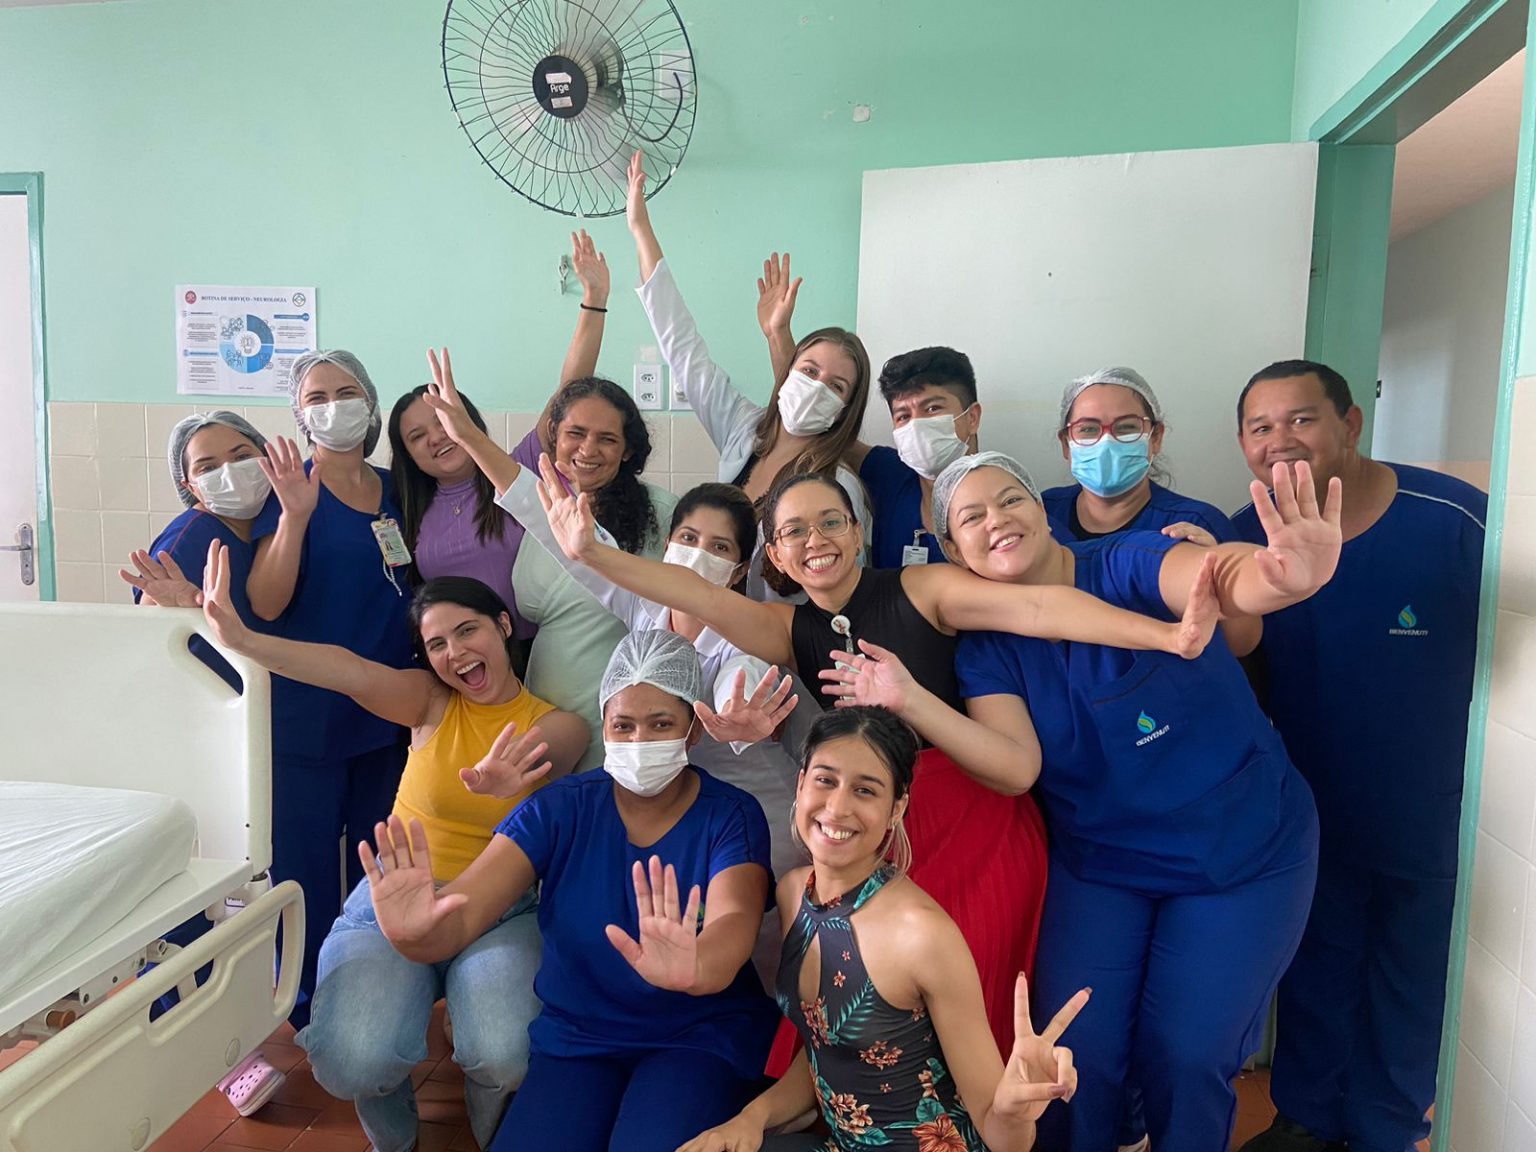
<point x="929" y="445"/>
<point x="238" y="489"/>
<point x="340" y="425"/>
<point x="807" y="407"/>
<point x="644" y="767"/>
<point x="716" y="569"/>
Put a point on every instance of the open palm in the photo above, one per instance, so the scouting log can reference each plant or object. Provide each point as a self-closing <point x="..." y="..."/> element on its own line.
<point x="667" y="953"/>
<point x="569" y="512"/>
<point x="1304" y="542"/>
<point x="873" y="676"/>
<point x="405" y="899"/>
<point x="514" y="764"/>
<point x="747" y="719"/>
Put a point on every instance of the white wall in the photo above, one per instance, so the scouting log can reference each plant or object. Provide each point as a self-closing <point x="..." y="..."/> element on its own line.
<point x="1441" y="331"/>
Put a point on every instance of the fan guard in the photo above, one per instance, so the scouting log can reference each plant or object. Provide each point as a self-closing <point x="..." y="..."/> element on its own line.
<point x="555" y="95"/>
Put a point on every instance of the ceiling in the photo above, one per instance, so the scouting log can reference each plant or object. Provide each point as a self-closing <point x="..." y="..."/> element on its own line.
<point x="1461" y="155"/>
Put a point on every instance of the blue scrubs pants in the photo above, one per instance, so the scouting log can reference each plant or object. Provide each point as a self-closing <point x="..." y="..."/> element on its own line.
<point x="1181" y="986"/>
<point x="1361" y="1006"/>
<point x="315" y="803"/>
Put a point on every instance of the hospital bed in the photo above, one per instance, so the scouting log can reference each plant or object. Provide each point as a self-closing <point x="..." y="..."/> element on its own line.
<point x="135" y="794"/>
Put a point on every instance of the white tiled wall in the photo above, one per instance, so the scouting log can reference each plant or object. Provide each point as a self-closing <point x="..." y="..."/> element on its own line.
<point x="112" y="489"/>
<point x="1494" y="1103"/>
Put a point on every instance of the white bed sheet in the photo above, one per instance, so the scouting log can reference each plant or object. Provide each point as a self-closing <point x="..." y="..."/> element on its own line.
<point x="74" y="861"/>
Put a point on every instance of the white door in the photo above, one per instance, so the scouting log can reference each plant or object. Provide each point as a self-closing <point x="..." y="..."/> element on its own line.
<point x="18" y="407"/>
<point x="1190" y="266"/>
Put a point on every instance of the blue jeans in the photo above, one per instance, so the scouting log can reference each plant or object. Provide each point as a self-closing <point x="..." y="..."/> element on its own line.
<point x="368" y="1026"/>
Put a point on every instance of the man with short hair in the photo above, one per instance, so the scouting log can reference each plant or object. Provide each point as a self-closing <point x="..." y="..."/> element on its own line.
<point x="1369" y="682"/>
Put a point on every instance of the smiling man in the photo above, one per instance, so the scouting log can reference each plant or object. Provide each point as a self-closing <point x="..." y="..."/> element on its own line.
<point x="1369" y="682"/>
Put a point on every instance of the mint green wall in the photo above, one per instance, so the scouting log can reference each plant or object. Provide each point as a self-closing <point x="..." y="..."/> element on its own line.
<point x="1339" y="41"/>
<point x="311" y="141"/>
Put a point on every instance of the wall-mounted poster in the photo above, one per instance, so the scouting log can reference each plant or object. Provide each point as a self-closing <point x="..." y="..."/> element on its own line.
<point x="233" y="341"/>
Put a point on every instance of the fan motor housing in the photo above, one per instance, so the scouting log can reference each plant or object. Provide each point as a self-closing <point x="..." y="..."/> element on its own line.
<point x="560" y="86"/>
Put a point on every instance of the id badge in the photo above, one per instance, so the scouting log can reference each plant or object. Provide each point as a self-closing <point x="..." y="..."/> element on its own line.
<point x="391" y="543"/>
<point x="914" y="553"/>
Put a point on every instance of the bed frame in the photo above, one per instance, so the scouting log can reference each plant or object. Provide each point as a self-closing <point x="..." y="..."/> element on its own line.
<point x="136" y="709"/>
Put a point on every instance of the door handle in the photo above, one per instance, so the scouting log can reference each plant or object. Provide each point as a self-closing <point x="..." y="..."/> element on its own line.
<point x="26" y="545"/>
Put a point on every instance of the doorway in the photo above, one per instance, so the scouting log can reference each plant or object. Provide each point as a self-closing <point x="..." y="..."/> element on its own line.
<point x="26" y="571"/>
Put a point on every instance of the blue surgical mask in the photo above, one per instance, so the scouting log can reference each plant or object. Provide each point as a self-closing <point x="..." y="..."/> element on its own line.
<point x="1111" y="467"/>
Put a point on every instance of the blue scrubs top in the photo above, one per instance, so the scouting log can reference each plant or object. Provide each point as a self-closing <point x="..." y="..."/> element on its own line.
<point x="1370" y="680"/>
<point x="595" y="1004"/>
<point x="896" y="506"/>
<point x="1162" y="509"/>
<point x="1159" y="774"/>
<point x="343" y="597"/>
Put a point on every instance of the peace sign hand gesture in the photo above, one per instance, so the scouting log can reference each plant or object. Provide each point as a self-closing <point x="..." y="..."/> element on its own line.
<point x="442" y="396"/>
<point x="569" y="512"/>
<point x="512" y="766"/>
<point x="1304" y="543"/>
<point x="746" y="720"/>
<point x="667" y="953"/>
<point x="1037" y="1071"/>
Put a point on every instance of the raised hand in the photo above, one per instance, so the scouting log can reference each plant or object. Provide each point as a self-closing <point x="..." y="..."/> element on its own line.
<point x="1037" y="1071"/>
<point x="569" y="512"/>
<point x="1304" y="542"/>
<point x="161" y="581"/>
<point x="284" y="468"/>
<point x="667" y="953"/>
<point x="873" y="675"/>
<point x="228" y="629"/>
<point x="1202" y="612"/>
<point x="513" y="765"/>
<point x="776" y="294"/>
<point x="443" y="398"/>
<point x="591" y="269"/>
<point x="405" y="899"/>
<point x="1190" y="533"/>
<point x="748" y="719"/>
<point x="635" y="210"/>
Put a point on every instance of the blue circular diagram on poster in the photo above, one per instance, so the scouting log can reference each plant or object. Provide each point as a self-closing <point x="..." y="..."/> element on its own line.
<point x="245" y="342"/>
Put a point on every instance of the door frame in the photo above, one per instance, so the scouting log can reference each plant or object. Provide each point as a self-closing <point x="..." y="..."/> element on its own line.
<point x="1452" y="47"/>
<point x="30" y="185"/>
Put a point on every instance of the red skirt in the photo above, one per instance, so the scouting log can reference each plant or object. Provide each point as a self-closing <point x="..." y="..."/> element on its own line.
<point x="981" y="856"/>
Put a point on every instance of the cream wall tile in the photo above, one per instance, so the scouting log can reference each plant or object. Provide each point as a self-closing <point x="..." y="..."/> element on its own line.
<point x="74" y="482"/>
<point x="381" y="454"/>
<point x="1528" y="937"/>
<point x="1477" y="1115"/>
<point x="1519" y="1132"/>
<point x="77" y="583"/>
<point x="114" y="589"/>
<point x="273" y="421"/>
<point x="159" y="419"/>
<point x="1512" y="697"/>
<point x="122" y="533"/>
<point x="1509" y="787"/>
<point x="1488" y="1011"/>
<point x="1517" y="561"/>
<point x="1496" y="917"/>
<point x="77" y="536"/>
<point x="72" y="429"/>
<point x="679" y="482"/>
<point x="496" y="426"/>
<point x="692" y="444"/>
<point x="660" y="462"/>
<point x="1522" y="427"/>
<point x="1522" y="1067"/>
<point x="124" y="484"/>
<point x="519" y="424"/>
<point x="120" y="430"/>
<point x="163" y="500"/>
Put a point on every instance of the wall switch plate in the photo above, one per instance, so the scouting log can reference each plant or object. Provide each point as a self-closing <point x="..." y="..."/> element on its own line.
<point x="648" y="395"/>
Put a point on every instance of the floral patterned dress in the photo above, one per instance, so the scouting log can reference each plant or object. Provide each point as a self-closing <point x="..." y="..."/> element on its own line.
<point x="881" y="1079"/>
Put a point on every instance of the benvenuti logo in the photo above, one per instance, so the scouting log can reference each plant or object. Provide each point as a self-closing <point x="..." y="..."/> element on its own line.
<point x="1145" y="724"/>
<point x="1407" y="624"/>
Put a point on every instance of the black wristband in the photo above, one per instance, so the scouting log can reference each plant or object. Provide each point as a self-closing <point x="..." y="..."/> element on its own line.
<point x="592" y="308"/>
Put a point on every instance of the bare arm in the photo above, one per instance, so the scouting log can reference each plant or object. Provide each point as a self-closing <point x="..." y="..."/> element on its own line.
<point x="776" y="293"/>
<point x="592" y="270"/>
<point x="275" y="570"/>
<point x="638" y="215"/>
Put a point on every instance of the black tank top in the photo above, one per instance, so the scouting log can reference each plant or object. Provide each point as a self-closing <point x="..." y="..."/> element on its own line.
<point x="881" y="1076"/>
<point x="880" y="612"/>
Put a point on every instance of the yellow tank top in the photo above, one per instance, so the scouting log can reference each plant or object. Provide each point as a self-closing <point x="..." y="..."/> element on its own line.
<point x="459" y="823"/>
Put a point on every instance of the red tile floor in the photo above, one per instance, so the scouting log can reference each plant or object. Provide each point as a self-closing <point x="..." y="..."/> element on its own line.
<point x="303" y="1117"/>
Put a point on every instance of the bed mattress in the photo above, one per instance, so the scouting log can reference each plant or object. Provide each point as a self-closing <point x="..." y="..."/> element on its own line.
<point x="73" y="862"/>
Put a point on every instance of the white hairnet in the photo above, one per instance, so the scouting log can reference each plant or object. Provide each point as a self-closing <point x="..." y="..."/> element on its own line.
<point x="353" y="367"/>
<point x="656" y="656"/>
<point x="189" y="426"/>
<point x="1124" y="377"/>
<point x="945" y="483"/>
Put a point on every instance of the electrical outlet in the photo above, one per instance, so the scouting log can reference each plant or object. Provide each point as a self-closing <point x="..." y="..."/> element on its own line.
<point x="648" y="397"/>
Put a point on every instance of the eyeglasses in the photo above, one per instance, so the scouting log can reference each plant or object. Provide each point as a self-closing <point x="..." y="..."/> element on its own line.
<point x="830" y="528"/>
<point x="1125" y="429"/>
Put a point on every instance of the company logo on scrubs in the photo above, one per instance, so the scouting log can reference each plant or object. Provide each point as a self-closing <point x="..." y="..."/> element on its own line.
<point x="1407" y="624"/>
<point x="1149" y="729"/>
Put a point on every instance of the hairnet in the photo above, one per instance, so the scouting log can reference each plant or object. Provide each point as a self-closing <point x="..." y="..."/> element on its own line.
<point x="656" y="656"/>
<point x="945" y="483"/>
<point x="353" y="367"/>
<point x="1124" y="377"/>
<point x="189" y="426"/>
